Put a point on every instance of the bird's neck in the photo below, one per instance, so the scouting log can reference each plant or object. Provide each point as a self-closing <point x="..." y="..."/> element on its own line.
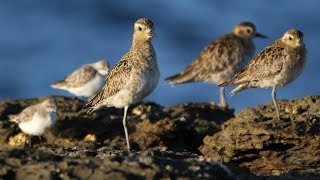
<point x="247" y="40"/>
<point x="142" y="46"/>
<point x="249" y="46"/>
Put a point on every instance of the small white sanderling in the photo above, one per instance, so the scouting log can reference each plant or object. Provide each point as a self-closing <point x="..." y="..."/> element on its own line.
<point x="35" y="119"/>
<point x="86" y="81"/>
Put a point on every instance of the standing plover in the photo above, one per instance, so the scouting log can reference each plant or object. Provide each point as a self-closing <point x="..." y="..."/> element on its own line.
<point x="275" y="66"/>
<point x="35" y="119"/>
<point x="85" y="81"/>
<point x="222" y="59"/>
<point x="134" y="77"/>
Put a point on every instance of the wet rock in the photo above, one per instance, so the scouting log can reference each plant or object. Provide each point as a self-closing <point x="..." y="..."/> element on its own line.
<point x="152" y="164"/>
<point x="182" y="126"/>
<point x="255" y="139"/>
<point x="90" y="147"/>
<point x="167" y="142"/>
<point x="150" y="125"/>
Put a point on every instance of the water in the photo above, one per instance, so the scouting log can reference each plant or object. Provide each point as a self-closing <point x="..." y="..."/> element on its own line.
<point x="42" y="41"/>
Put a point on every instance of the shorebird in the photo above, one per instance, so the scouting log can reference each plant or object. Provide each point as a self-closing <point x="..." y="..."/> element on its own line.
<point x="134" y="77"/>
<point x="35" y="119"/>
<point x="275" y="66"/>
<point x="86" y="81"/>
<point x="221" y="59"/>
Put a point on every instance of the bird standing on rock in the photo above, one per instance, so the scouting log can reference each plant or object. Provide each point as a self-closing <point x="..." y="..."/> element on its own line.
<point x="35" y="119"/>
<point x="222" y="59"/>
<point x="134" y="77"/>
<point x="275" y="66"/>
<point x="85" y="81"/>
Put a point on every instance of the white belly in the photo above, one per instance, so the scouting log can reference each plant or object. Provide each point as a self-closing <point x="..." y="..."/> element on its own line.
<point x="37" y="125"/>
<point x="89" y="89"/>
<point x="138" y="87"/>
<point x="288" y="74"/>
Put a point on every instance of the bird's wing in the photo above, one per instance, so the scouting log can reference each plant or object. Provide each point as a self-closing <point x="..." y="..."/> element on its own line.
<point x="79" y="77"/>
<point x="115" y="81"/>
<point x="220" y="54"/>
<point x="214" y="58"/>
<point x="267" y="64"/>
<point x="25" y="115"/>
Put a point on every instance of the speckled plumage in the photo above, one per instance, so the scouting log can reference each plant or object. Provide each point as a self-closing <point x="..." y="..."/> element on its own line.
<point x="275" y="66"/>
<point x="222" y="59"/>
<point x="35" y="119"/>
<point x="86" y="80"/>
<point x="134" y="77"/>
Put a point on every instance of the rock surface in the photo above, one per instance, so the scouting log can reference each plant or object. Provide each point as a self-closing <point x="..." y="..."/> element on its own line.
<point x="165" y="142"/>
<point x="255" y="139"/>
<point x="185" y="140"/>
<point x="89" y="162"/>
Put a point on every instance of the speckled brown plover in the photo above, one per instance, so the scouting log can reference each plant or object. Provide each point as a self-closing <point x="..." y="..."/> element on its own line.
<point x="134" y="77"/>
<point x="275" y="66"/>
<point x="222" y="59"/>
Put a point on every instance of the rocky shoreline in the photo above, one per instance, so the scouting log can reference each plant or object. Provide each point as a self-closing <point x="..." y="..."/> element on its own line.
<point x="194" y="140"/>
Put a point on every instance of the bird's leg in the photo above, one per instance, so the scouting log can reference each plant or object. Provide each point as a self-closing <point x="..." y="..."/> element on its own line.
<point x="274" y="99"/>
<point x="124" y="122"/>
<point x="40" y="140"/>
<point x="223" y="101"/>
<point x="30" y="143"/>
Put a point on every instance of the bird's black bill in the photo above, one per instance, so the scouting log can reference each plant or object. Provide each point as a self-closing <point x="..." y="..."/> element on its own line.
<point x="152" y="34"/>
<point x="261" y="36"/>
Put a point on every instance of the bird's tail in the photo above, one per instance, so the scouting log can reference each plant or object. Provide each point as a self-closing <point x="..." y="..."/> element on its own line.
<point x="179" y="78"/>
<point x="94" y="103"/>
<point x="58" y="84"/>
<point x="228" y="83"/>
<point x="239" y="88"/>
<point x="90" y="110"/>
<point x="12" y="118"/>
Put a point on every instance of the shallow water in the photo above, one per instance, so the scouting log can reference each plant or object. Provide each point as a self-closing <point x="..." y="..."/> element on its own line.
<point x="41" y="42"/>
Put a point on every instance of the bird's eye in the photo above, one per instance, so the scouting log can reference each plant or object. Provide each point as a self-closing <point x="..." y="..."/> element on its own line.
<point x="290" y="38"/>
<point x="139" y="28"/>
<point x="248" y="31"/>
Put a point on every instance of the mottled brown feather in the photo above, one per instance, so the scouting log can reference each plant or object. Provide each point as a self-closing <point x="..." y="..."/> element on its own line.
<point x="214" y="58"/>
<point x="115" y="80"/>
<point x="78" y="78"/>
<point x="135" y="76"/>
<point x="25" y="115"/>
<point x="266" y="64"/>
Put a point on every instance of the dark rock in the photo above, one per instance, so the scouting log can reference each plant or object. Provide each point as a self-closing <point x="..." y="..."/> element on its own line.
<point x="152" y="164"/>
<point x="181" y="126"/>
<point x="255" y="139"/>
<point x="167" y="142"/>
<point x="90" y="147"/>
<point x="150" y="125"/>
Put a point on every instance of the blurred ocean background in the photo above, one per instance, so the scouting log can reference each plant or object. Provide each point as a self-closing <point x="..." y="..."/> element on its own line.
<point x="43" y="41"/>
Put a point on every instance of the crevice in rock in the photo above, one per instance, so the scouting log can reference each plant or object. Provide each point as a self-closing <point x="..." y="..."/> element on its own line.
<point x="278" y="147"/>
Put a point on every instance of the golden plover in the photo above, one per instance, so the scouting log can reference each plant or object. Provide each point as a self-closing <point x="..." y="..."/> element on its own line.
<point x="275" y="66"/>
<point x="222" y="59"/>
<point x="35" y="119"/>
<point x="134" y="77"/>
<point x="85" y="81"/>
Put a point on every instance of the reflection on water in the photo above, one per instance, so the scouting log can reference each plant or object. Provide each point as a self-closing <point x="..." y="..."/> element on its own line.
<point x="42" y="42"/>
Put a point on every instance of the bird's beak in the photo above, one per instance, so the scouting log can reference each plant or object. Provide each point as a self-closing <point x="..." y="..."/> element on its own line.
<point x="152" y="34"/>
<point x="261" y="36"/>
